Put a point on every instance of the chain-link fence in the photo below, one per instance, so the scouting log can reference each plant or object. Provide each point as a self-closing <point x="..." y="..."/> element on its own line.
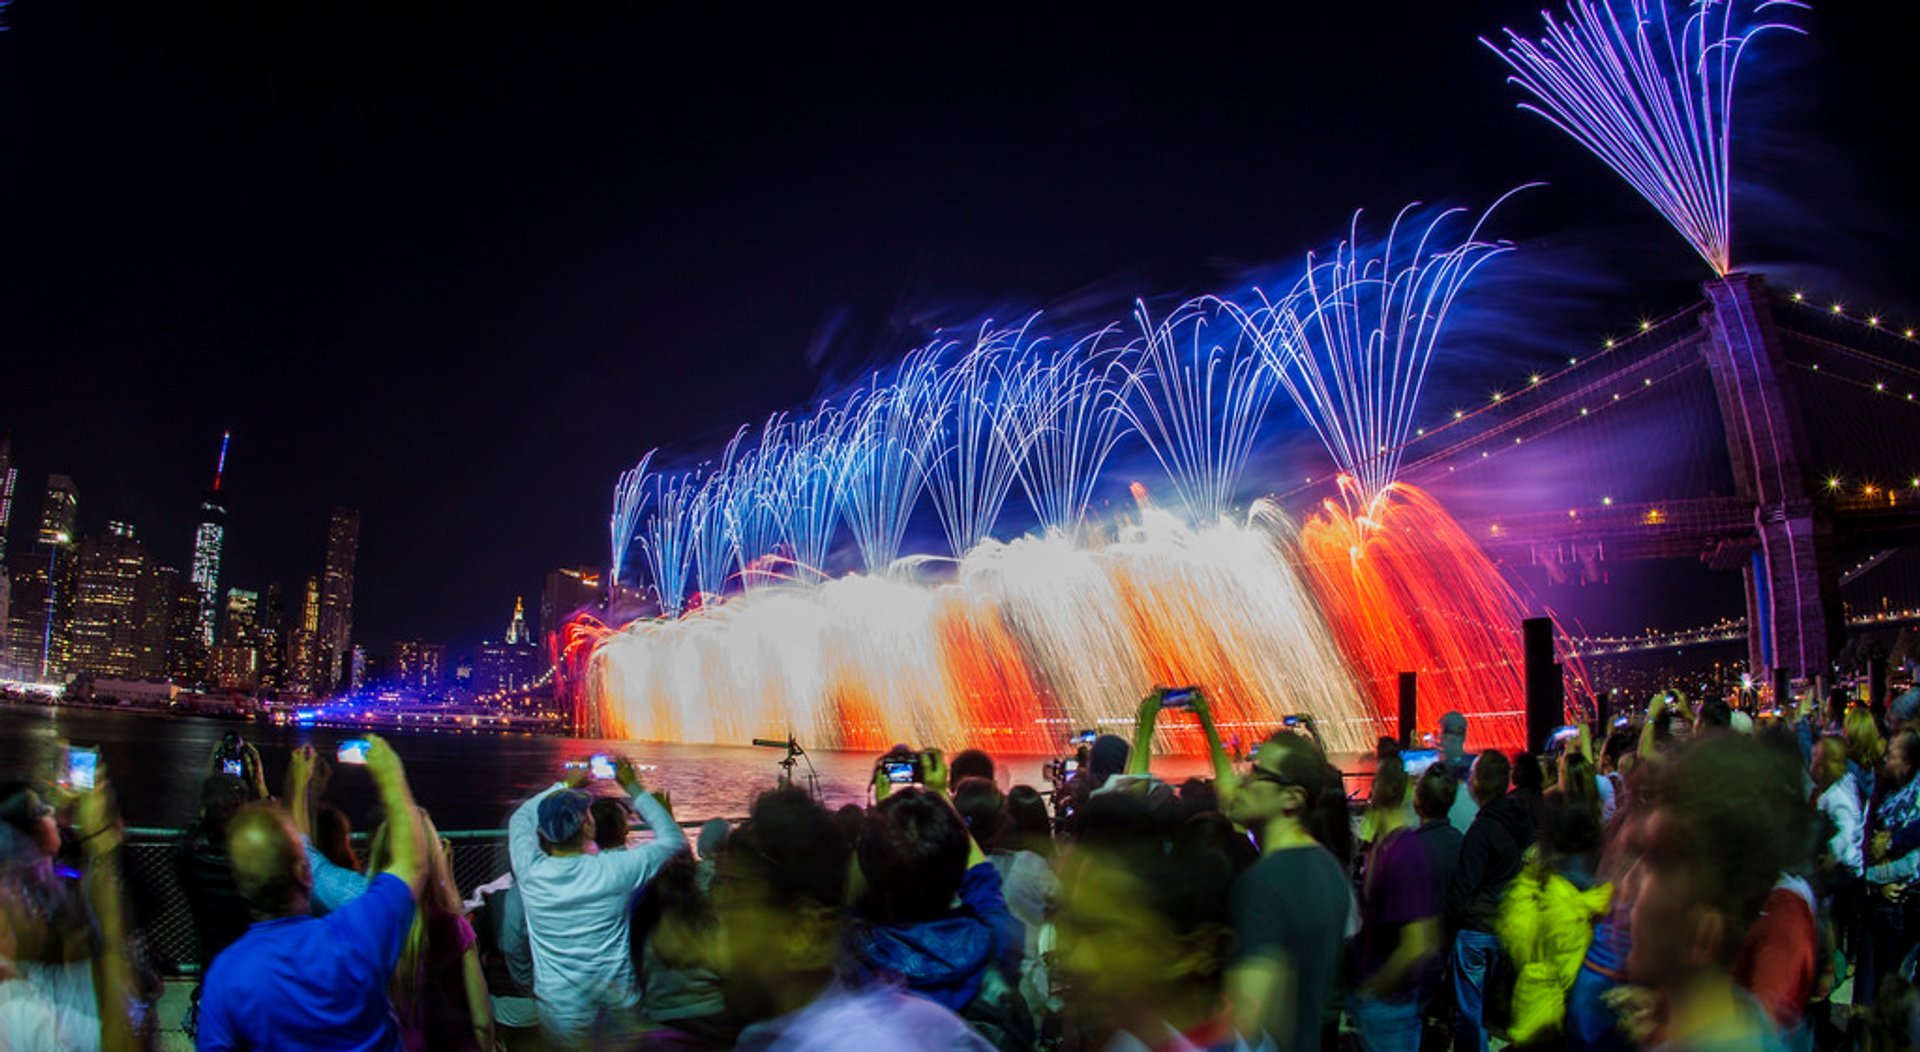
<point x="153" y="885"/>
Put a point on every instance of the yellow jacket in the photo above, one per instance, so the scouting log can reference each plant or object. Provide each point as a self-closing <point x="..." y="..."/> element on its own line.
<point x="1545" y="925"/>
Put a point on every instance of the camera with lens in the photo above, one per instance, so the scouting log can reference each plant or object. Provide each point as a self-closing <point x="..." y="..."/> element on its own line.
<point x="903" y="766"/>
<point x="233" y="755"/>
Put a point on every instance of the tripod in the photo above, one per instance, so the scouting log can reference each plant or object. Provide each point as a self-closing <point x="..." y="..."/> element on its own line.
<point x="794" y="754"/>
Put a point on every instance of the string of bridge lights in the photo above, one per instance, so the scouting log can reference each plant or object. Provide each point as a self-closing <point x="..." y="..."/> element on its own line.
<point x="1461" y="417"/>
<point x="1498" y="398"/>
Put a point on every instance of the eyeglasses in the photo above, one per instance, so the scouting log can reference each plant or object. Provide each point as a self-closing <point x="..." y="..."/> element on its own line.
<point x="1257" y="773"/>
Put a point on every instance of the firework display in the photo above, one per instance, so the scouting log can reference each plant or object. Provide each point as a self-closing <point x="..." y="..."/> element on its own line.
<point x="1016" y="643"/>
<point x="1650" y="93"/>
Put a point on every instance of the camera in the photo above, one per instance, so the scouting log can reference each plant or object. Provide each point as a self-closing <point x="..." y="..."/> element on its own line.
<point x="903" y="766"/>
<point x="1178" y="697"/>
<point x="233" y="755"/>
<point x="1562" y="738"/>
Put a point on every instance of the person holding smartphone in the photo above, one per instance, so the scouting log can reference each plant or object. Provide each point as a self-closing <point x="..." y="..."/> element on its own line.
<point x="299" y="981"/>
<point x="333" y="885"/>
<point x="576" y="901"/>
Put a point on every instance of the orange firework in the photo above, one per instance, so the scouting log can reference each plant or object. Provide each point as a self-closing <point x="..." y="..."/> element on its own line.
<point x="1406" y="590"/>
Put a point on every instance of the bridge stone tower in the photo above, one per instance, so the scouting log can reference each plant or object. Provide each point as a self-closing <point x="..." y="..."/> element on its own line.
<point x="1793" y="590"/>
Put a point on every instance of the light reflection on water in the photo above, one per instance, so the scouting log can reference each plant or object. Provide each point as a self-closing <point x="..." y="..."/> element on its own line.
<point x="466" y="781"/>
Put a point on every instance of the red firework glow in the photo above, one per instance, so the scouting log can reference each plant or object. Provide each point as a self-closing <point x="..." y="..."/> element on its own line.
<point x="1406" y="590"/>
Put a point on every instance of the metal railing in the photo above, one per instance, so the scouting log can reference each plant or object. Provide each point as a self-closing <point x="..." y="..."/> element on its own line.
<point x="160" y="904"/>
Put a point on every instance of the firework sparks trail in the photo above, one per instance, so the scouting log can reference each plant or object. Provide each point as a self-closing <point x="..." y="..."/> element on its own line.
<point x="1078" y="424"/>
<point x="1653" y="102"/>
<point x="1033" y="638"/>
<point x="1199" y="410"/>
<point x="1406" y="590"/>
<point x="667" y="539"/>
<point x="892" y="428"/>
<point x="629" y="500"/>
<point x="807" y="490"/>
<point x="982" y="410"/>
<point x="755" y="518"/>
<point x="1021" y="641"/>
<point x="712" y="543"/>
<point x="1352" y="341"/>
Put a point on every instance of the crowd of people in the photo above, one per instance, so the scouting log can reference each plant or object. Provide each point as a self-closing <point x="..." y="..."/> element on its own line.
<point x="1700" y="877"/>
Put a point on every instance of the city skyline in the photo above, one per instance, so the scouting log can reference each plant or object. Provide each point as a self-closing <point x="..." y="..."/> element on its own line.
<point x="467" y="331"/>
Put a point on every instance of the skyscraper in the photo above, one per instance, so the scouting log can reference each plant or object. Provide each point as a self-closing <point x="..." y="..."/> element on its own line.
<point x="209" y="534"/>
<point x="336" y="597"/>
<point x="59" y="511"/>
<point x="303" y="643"/>
<point x="115" y="606"/>
<point x="243" y="612"/>
<point x="7" y="477"/>
<point x="418" y="664"/>
<point x="41" y="593"/>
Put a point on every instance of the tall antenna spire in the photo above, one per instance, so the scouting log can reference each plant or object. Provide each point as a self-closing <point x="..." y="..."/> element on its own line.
<point x="220" y="468"/>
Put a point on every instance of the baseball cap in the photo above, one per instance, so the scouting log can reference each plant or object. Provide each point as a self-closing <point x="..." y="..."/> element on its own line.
<point x="562" y="813"/>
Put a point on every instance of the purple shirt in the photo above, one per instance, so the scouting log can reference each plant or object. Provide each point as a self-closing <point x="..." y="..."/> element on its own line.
<point x="1399" y="890"/>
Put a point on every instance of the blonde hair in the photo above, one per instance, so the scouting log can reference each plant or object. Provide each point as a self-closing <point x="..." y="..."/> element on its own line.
<point x="1865" y="746"/>
<point x="439" y="896"/>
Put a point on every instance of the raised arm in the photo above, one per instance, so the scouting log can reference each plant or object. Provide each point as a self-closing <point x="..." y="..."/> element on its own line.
<point x="668" y="838"/>
<point x="409" y="859"/>
<point x="300" y="767"/>
<point x="1224" y="783"/>
<point x="113" y="982"/>
<point x="1140" y="760"/>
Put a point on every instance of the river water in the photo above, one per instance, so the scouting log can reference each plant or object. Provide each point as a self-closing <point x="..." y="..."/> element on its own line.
<point x="467" y="780"/>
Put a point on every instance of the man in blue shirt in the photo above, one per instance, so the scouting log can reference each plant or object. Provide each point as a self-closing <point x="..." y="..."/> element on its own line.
<point x="294" y="981"/>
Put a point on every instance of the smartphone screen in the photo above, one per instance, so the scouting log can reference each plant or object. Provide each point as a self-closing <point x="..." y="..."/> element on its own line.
<point x="353" y="750"/>
<point x="1070" y="767"/>
<point x="899" y="772"/>
<point x="232" y="767"/>
<point x="600" y="766"/>
<point x="1290" y="721"/>
<point x="83" y="766"/>
<point x="1177" y="697"/>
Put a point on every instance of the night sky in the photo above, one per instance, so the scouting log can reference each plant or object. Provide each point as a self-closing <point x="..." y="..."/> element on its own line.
<point x="459" y="269"/>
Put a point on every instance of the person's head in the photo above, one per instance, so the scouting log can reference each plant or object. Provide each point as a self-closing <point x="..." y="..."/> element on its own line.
<point x="333" y="836"/>
<point x="221" y="796"/>
<point x="1903" y="756"/>
<point x="1829" y="762"/>
<point x="983" y="809"/>
<point x="1290" y="781"/>
<point x="1027" y="809"/>
<point x="1453" y="737"/>
<point x="850" y="818"/>
<point x="1434" y="794"/>
<point x="1571" y="824"/>
<point x="1715" y="715"/>
<point x="1198" y="796"/>
<point x="1490" y="777"/>
<point x="1390" y="784"/>
<point x="29" y="819"/>
<point x="1388" y="745"/>
<point x="969" y="763"/>
<point x="1724" y="819"/>
<point x="1144" y="932"/>
<point x="269" y="867"/>
<point x="1865" y="746"/>
<point x="1106" y="758"/>
<point x="913" y="853"/>
<point x="713" y="837"/>
<point x="777" y="897"/>
<point x="1620" y="741"/>
<point x="565" y="821"/>
<point x="1528" y="775"/>
<point x="609" y="822"/>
